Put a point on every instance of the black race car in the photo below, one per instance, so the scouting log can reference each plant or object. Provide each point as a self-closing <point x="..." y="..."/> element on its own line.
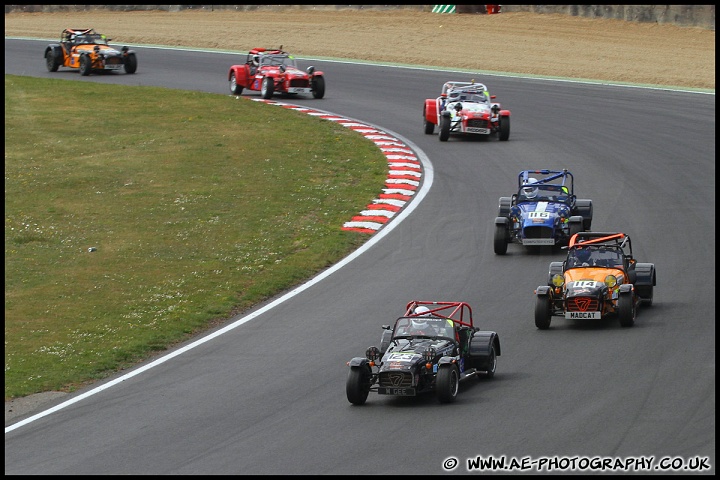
<point x="431" y="348"/>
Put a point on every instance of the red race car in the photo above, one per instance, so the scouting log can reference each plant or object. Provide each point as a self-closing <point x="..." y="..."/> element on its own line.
<point x="271" y="71"/>
<point x="466" y="108"/>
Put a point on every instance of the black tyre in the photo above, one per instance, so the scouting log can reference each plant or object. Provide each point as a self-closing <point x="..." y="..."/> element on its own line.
<point x="626" y="310"/>
<point x="85" y="65"/>
<point x="504" y="133"/>
<point x="444" y="129"/>
<point x="51" y="61"/>
<point x="645" y="292"/>
<point x="235" y="89"/>
<point x="575" y="227"/>
<point x="490" y="364"/>
<point x="504" y="206"/>
<point x="584" y="207"/>
<point x="429" y="128"/>
<point x="646" y="287"/>
<point x="318" y="87"/>
<point x="131" y="63"/>
<point x="267" y="88"/>
<point x="357" y="387"/>
<point x="500" y="242"/>
<point x="543" y="313"/>
<point x="447" y="383"/>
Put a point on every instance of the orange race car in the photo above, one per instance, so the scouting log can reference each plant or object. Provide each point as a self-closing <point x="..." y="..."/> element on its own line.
<point x="88" y="51"/>
<point x="599" y="278"/>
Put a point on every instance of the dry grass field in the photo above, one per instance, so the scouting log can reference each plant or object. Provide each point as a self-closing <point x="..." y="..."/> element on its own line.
<point x="526" y="43"/>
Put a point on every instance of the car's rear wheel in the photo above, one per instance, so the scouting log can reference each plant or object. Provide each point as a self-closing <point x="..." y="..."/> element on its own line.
<point x="444" y="129"/>
<point x="131" y="63"/>
<point x="318" y="87"/>
<point x="490" y="364"/>
<point x="267" y="88"/>
<point x="543" y="314"/>
<point x="447" y="383"/>
<point x="85" y="65"/>
<point x="357" y="386"/>
<point x="504" y="134"/>
<point x="500" y="242"/>
<point x="429" y="126"/>
<point x="235" y="89"/>
<point x="645" y="292"/>
<point x="626" y="310"/>
<point x="51" y="61"/>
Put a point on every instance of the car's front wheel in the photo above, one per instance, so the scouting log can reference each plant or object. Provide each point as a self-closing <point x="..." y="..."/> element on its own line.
<point x="543" y="314"/>
<point x="85" y="65"/>
<point x="131" y="63"/>
<point x="318" y="87"/>
<point x="357" y="386"/>
<point x="267" y="88"/>
<point x="573" y="228"/>
<point x="51" y="61"/>
<point x="235" y="89"/>
<point x="626" y="310"/>
<point x="447" y="383"/>
<point x="504" y="133"/>
<point x="500" y="242"/>
<point x="444" y="129"/>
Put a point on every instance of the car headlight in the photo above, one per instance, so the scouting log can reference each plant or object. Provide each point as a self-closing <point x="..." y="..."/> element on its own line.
<point x="558" y="280"/>
<point x="611" y="281"/>
<point x="372" y="353"/>
<point x="429" y="354"/>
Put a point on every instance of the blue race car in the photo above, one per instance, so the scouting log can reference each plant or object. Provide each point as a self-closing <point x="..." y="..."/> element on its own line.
<point x="544" y="211"/>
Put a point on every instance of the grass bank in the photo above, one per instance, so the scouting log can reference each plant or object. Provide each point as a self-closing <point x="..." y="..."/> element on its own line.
<point x="136" y="217"/>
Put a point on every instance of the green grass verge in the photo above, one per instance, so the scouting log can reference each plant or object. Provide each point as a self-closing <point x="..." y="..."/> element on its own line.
<point x="198" y="205"/>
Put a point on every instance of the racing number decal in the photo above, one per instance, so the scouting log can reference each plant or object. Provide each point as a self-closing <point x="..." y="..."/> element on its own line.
<point x="401" y="356"/>
<point x="538" y="215"/>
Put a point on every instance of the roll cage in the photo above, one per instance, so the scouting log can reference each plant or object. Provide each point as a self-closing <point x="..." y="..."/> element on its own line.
<point x="602" y="249"/>
<point x="272" y="58"/>
<point x="446" y="318"/>
<point x="82" y="36"/>
<point x="549" y="186"/>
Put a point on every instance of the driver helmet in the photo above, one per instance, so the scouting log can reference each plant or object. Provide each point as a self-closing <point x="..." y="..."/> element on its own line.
<point x="422" y="311"/>
<point x="420" y="324"/>
<point x="453" y="95"/>
<point x="583" y="255"/>
<point x="530" y="192"/>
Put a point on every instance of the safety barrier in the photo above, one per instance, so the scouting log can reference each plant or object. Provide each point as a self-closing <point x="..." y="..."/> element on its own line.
<point x="443" y="9"/>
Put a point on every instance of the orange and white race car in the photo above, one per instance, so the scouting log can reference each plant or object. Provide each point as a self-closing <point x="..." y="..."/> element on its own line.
<point x="88" y="51"/>
<point x="599" y="278"/>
